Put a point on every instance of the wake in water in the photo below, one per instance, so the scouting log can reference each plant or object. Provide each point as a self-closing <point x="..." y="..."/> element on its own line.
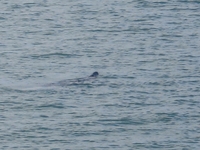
<point x="13" y="86"/>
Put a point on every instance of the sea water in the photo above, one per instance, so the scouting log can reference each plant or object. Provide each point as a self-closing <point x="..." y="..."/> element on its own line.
<point x="147" y="95"/>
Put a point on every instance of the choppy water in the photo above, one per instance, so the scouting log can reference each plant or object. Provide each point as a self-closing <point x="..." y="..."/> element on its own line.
<point x="146" y="97"/>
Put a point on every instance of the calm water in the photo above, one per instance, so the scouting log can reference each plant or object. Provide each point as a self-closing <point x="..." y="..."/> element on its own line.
<point x="146" y="97"/>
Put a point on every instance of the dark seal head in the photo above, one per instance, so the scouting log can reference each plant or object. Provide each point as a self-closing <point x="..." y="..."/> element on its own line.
<point x="95" y="74"/>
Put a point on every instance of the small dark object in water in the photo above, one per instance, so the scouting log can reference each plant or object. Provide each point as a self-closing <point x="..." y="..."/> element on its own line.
<point x="95" y="74"/>
<point x="74" y="81"/>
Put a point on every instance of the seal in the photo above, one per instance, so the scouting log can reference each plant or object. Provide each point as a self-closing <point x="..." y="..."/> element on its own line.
<point x="95" y="74"/>
<point x="74" y="81"/>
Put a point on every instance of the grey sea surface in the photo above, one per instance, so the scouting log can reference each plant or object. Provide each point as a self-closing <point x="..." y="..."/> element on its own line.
<point x="146" y="97"/>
